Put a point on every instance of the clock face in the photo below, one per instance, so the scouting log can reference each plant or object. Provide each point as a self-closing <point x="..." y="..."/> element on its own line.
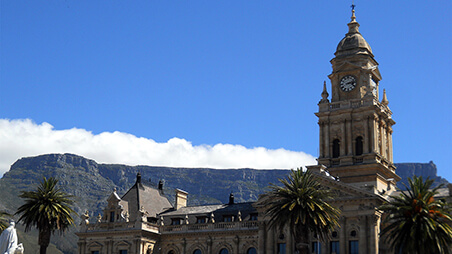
<point x="348" y="83"/>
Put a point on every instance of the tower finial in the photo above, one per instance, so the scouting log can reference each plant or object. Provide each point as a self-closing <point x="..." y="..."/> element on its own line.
<point x="384" y="101"/>
<point x="324" y="94"/>
<point x="353" y="25"/>
<point x="353" y="12"/>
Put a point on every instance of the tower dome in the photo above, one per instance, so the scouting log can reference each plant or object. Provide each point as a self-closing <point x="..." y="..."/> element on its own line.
<point x="353" y="42"/>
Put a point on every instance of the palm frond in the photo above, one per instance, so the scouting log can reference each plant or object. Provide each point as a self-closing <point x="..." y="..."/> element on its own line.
<point x="301" y="205"/>
<point x="416" y="221"/>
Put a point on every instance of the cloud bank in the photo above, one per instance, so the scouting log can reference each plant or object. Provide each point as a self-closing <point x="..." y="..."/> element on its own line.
<point x="23" y="138"/>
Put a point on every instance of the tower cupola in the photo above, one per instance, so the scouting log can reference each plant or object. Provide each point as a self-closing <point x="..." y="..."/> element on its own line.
<point x="353" y="42"/>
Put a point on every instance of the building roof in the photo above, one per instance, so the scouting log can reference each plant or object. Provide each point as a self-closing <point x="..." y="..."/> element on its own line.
<point x="221" y="209"/>
<point x="152" y="200"/>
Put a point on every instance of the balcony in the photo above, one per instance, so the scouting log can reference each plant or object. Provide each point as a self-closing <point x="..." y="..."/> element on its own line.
<point x="122" y="225"/>
<point x="220" y="226"/>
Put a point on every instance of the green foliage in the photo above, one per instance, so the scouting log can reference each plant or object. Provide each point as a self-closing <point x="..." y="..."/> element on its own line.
<point x="301" y="204"/>
<point x="47" y="209"/>
<point x="417" y="222"/>
<point x="3" y="221"/>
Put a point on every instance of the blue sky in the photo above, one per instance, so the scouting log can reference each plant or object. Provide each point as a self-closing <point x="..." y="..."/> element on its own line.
<point x="245" y="76"/>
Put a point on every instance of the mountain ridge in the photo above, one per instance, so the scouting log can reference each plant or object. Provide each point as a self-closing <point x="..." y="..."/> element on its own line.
<point x="91" y="183"/>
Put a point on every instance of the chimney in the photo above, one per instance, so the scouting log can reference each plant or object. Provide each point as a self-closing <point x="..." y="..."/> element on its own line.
<point x="160" y="185"/>
<point x="181" y="199"/>
<point x="231" y="199"/>
<point x="138" y="177"/>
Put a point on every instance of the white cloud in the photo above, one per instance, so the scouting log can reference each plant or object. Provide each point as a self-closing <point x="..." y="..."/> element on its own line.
<point x="22" y="138"/>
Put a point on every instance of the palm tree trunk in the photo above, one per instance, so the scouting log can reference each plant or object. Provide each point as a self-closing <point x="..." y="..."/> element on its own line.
<point x="302" y="240"/>
<point x="44" y="239"/>
<point x="43" y="249"/>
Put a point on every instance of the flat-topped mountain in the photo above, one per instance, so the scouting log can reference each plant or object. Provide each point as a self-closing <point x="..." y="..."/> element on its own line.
<point x="91" y="183"/>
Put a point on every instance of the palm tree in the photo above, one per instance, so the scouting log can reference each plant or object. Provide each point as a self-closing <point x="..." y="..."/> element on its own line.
<point x="3" y="222"/>
<point x="417" y="222"/>
<point x="47" y="209"/>
<point x="301" y="204"/>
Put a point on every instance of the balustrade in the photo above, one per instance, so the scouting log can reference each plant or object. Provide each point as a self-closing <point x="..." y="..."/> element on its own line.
<point x="238" y="225"/>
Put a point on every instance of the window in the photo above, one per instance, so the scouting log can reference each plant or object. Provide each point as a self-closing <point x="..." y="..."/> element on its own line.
<point x="251" y="251"/>
<point x="201" y="220"/>
<point x="171" y="252"/>
<point x="175" y="221"/>
<point x="253" y="216"/>
<point x="353" y="233"/>
<point x="353" y="247"/>
<point x="316" y="247"/>
<point x="198" y="251"/>
<point x="228" y="218"/>
<point x="334" y="247"/>
<point x="336" y="148"/>
<point x="122" y="252"/>
<point x="112" y="216"/>
<point x="359" y="145"/>
<point x="334" y="234"/>
<point x="224" y="251"/>
<point x="281" y="248"/>
<point x="95" y="252"/>
<point x="152" y="220"/>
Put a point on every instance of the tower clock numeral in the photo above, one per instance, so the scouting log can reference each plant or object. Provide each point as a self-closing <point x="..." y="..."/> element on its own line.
<point x="348" y="83"/>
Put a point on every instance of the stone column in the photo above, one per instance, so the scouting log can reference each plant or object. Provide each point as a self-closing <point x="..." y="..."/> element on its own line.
<point x="81" y="247"/>
<point x="237" y="244"/>
<point x="366" y="140"/>
<point x="343" y="140"/>
<point x="110" y="247"/>
<point x="373" y="134"/>
<point x="349" y="137"/>
<point x="327" y="140"/>
<point x="374" y="224"/>
<point x="209" y="245"/>
<point x="363" y="234"/>
<point x="324" y="248"/>
<point x="383" y="139"/>
<point x="390" y="144"/>
<point x="261" y="238"/>
<point x="321" y="142"/>
<point x="343" y="235"/>
<point x="270" y="239"/>
<point x="289" y="242"/>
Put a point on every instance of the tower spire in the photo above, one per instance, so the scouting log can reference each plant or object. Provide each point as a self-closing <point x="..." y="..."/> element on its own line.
<point x="384" y="101"/>
<point x="353" y="25"/>
<point x="324" y="94"/>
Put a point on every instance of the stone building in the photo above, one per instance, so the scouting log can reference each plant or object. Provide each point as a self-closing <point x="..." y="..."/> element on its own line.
<point x="355" y="144"/>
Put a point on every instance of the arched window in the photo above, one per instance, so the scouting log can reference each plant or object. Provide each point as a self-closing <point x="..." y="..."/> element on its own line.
<point x="336" y="148"/>
<point x="171" y="252"/>
<point x="224" y="251"/>
<point x="251" y="251"/>
<point x="359" y="145"/>
<point x="198" y="251"/>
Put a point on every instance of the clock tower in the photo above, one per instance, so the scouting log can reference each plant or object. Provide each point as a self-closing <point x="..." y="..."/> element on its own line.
<point x="355" y="126"/>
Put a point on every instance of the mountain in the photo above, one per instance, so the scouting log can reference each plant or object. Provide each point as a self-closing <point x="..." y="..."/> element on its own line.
<point x="406" y="170"/>
<point x="91" y="184"/>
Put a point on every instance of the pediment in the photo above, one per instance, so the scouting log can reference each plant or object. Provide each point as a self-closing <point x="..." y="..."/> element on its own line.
<point x="343" y="191"/>
<point x="122" y="244"/>
<point x="95" y="245"/>
<point x="114" y="198"/>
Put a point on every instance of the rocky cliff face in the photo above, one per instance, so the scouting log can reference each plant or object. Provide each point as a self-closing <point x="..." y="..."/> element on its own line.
<point x="91" y="184"/>
<point x="426" y="170"/>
